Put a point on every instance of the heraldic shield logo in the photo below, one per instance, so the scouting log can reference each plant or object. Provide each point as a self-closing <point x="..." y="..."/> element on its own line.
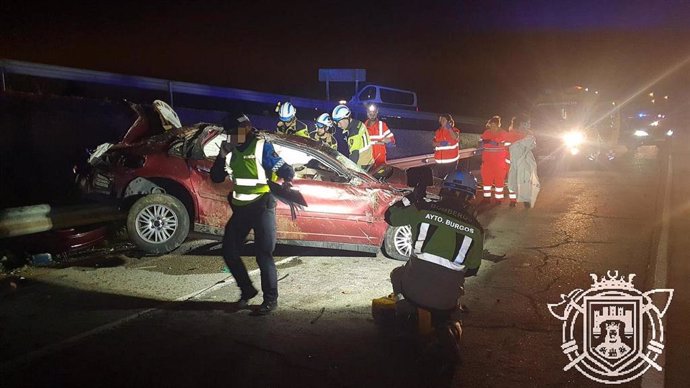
<point x="612" y="332"/>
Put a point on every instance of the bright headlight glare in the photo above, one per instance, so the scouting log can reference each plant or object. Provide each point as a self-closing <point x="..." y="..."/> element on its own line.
<point x="669" y="132"/>
<point x="573" y="139"/>
<point x="641" y="133"/>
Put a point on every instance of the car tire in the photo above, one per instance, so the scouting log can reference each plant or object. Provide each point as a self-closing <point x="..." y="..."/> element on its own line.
<point x="158" y="223"/>
<point x="397" y="243"/>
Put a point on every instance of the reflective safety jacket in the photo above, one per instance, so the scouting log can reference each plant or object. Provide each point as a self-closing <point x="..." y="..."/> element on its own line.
<point x="327" y="139"/>
<point x="450" y="238"/>
<point x="493" y="144"/>
<point x="251" y="165"/>
<point x="297" y="128"/>
<point x="447" y="245"/>
<point x="359" y="144"/>
<point x="450" y="151"/>
<point x="378" y="131"/>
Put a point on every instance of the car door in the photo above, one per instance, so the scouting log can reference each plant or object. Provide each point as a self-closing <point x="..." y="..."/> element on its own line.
<point x="339" y="207"/>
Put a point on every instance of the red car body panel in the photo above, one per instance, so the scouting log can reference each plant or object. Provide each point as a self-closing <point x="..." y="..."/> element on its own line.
<point x="340" y="214"/>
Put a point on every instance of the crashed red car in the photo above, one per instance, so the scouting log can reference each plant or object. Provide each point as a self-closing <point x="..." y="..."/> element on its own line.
<point x="162" y="178"/>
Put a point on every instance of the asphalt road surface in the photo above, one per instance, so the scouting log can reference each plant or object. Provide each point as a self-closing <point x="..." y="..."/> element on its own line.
<point x="120" y="320"/>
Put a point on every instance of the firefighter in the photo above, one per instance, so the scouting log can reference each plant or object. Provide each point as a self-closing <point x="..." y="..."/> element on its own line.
<point x="251" y="164"/>
<point x="324" y="131"/>
<point x="494" y="154"/>
<point x="446" y="146"/>
<point x="289" y="124"/>
<point x="359" y="146"/>
<point x="379" y="134"/>
<point x="447" y="242"/>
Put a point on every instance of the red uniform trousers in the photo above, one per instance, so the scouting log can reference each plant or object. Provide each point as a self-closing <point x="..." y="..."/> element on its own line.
<point x="493" y="172"/>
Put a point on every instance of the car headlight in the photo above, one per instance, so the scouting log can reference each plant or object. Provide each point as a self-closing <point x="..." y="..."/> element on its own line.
<point x="641" y="133"/>
<point x="669" y="132"/>
<point x="573" y="139"/>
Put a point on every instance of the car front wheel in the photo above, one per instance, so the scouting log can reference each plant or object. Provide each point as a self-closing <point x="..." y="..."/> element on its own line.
<point x="158" y="223"/>
<point x="398" y="242"/>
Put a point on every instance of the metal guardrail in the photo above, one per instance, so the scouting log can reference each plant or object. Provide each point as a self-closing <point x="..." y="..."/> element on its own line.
<point x="172" y="87"/>
<point x="426" y="159"/>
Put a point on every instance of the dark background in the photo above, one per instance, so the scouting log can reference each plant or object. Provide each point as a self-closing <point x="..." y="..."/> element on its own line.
<point x="468" y="57"/>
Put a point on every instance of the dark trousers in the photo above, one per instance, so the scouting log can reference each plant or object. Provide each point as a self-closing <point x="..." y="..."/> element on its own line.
<point x="260" y="216"/>
<point x="442" y="169"/>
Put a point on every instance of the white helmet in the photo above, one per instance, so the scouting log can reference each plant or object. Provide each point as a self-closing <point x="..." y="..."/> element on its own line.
<point x="324" y="121"/>
<point x="287" y="111"/>
<point x="341" y="112"/>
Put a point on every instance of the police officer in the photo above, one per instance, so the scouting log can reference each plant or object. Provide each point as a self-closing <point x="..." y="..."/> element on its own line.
<point x="359" y="146"/>
<point x="289" y="124"/>
<point x="324" y="131"/>
<point x="252" y="163"/>
<point x="447" y="242"/>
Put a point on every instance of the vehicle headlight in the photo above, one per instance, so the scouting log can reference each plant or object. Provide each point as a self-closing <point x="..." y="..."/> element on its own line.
<point x="669" y="132"/>
<point x="641" y="133"/>
<point x="573" y="139"/>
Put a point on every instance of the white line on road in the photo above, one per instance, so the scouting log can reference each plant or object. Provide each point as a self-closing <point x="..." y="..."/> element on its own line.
<point x="56" y="347"/>
<point x="656" y="380"/>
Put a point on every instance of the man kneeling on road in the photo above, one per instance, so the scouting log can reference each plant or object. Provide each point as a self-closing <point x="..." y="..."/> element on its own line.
<point x="447" y="242"/>
<point x="251" y="163"/>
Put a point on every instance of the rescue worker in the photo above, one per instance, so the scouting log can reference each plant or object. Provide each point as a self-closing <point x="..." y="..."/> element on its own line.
<point x="379" y="135"/>
<point x="289" y="124"/>
<point x="359" y="146"/>
<point x="446" y="146"/>
<point x="324" y="131"/>
<point x="447" y="242"/>
<point x="251" y="164"/>
<point x="522" y="177"/>
<point x="493" y="167"/>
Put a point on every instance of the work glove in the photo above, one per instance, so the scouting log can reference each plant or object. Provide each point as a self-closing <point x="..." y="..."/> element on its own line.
<point x="443" y="143"/>
<point x="225" y="149"/>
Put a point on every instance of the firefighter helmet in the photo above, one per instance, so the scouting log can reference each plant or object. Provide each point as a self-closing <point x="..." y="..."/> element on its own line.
<point x="286" y="111"/>
<point x="460" y="181"/>
<point x="341" y="112"/>
<point x="324" y="120"/>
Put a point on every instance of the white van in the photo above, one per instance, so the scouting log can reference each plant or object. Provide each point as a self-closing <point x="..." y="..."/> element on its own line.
<point x="385" y="97"/>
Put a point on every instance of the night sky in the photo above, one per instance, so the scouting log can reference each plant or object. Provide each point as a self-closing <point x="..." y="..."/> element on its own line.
<point x="467" y="57"/>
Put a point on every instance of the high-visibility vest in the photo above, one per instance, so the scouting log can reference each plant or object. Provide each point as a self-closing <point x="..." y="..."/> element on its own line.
<point x="358" y="140"/>
<point x="446" y="153"/>
<point x="494" y="145"/>
<point x="248" y="174"/>
<point x="298" y="128"/>
<point x="378" y="131"/>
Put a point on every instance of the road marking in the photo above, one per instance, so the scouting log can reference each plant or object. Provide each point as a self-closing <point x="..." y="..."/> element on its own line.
<point x="656" y="380"/>
<point x="54" y="348"/>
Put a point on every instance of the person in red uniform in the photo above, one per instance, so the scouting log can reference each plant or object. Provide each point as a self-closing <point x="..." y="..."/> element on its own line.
<point x="512" y="136"/>
<point x="494" y="154"/>
<point x="379" y="135"/>
<point x="446" y="146"/>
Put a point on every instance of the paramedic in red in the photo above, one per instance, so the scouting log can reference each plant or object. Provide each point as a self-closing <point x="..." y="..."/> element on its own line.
<point x="494" y="167"/>
<point x="446" y="146"/>
<point x="379" y="135"/>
